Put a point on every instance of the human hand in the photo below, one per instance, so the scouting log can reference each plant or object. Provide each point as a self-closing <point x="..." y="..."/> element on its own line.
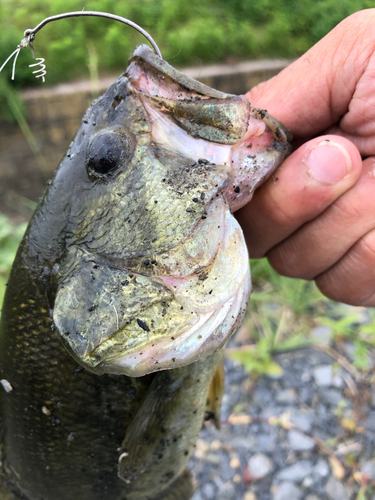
<point x="315" y="218"/>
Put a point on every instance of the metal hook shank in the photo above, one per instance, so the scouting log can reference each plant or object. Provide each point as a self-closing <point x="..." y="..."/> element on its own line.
<point x="30" y="34"/>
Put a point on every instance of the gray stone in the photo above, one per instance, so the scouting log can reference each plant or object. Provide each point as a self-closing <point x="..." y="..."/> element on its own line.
<point x="321" y="468"/>
<point x="208" y="490"/>
<point x="370" y="421"/>
<point x="287" y="396"/>
<point x="369" y="469"/>
<point x="197" y="496"/>
<point x="300" y="442"/>
<point x="331" y="396"/>
<point x="308" y="482"/>
<point x="296" y="472"/>
<point x="305" y="377"/>
<point x="336" y="490"/>
<point x="322" y="334"/>
<point x="287" y="491"/>
<point x="259" y="465"/>
<point x="324" y="376"/>
<point x="247" y="442"/>
<point x="312" y="497"/>
<point x="228" y="492"/>
<point x="302" y="420"/>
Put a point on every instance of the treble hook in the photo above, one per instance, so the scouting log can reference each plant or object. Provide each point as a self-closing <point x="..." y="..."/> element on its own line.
<point x="29" y="35"/>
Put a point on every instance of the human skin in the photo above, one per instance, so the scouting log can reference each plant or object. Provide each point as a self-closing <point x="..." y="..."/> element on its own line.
<point x="315" y="218"/>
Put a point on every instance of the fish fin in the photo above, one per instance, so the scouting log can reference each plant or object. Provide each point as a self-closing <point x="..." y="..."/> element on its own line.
<point x="215" y="396"/>
<point x="164" y="430"/>
<point x="182" y="488"/>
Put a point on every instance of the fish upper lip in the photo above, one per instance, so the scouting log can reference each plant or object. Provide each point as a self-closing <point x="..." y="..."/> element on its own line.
<point x="280" y="131"/>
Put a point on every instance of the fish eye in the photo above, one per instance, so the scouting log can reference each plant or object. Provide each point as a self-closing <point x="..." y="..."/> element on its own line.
<point x="106" y="153"/>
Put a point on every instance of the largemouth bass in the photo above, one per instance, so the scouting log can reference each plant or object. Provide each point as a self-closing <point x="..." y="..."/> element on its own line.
<point x="131" y="277"/>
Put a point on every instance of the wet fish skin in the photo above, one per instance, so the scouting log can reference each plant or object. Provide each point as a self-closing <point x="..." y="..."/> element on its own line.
<point x="96" y="302"/>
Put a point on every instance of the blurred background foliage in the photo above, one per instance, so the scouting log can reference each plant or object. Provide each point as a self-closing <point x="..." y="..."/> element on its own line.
<point x="187" y="32"/>
<point x="190" y="33"/>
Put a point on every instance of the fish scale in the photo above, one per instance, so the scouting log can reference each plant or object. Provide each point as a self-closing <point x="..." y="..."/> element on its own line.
<point x="130" y="279"/>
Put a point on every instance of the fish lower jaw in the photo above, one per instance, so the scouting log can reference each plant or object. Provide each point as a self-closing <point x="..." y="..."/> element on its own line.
<point x="211" y="331"/>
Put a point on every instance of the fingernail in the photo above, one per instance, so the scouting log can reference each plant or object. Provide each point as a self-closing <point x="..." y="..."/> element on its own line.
<point x="328" y="162"/>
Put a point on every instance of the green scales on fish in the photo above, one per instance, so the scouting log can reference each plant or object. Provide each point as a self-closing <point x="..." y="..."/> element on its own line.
<point x="131" y="277"/>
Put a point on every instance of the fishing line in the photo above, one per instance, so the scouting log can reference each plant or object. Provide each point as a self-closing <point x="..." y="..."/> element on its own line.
<point x="29" y="35"/>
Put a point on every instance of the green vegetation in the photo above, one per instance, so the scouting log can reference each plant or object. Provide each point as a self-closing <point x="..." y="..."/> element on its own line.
<point x="188" y="33"/>
<point x="281" y="314"/>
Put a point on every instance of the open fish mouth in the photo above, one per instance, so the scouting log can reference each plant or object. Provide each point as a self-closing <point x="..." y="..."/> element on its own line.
<point x="174" y="304"/>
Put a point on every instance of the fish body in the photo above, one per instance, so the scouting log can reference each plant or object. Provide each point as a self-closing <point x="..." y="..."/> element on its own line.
<point x="131" y="277"/>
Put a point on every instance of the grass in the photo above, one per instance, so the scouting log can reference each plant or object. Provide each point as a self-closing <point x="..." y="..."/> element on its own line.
<point x="188" y="33"/>
<point x="282" y="313"/>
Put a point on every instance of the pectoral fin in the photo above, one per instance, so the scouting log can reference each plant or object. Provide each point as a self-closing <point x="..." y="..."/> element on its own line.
<point x="182" y="488"/>
<point x="161" y="438"/>
<point x="215" y="396"/>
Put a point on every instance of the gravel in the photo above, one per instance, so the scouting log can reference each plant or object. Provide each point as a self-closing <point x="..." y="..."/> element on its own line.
<point x="260" y="460"/>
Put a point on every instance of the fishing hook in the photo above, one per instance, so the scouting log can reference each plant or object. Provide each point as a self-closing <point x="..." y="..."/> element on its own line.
<point x="29" y="35"/>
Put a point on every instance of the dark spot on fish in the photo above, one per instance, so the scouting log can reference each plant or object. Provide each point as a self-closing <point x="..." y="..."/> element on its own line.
<point x="155" y="201"/>
<point x="195" y="200"/>
<point x="143" y="325"/>
<point x="203" y="161"/>
<point x="124" y="282"/>
<point x="189" y="209"/>
<point x="237" y="189"/>
<point x="250" y="145"/>
<point x="203" y="195"/>
<point x="146" y="262"/>
<point x="172" y="338"/>
<point x="116" y="101"/>
<point x="173" y="359"/>
<point x="153" y="262"/>
<point x="186" y="452"/>
<point x="204" y="217"/>
<point x="209" y="415"/>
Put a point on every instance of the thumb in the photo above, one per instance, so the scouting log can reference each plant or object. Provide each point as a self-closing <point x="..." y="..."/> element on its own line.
<point x="314" y="92"/>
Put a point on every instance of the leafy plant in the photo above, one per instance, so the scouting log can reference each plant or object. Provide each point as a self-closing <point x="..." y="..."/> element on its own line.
<point x="187" y="32"/>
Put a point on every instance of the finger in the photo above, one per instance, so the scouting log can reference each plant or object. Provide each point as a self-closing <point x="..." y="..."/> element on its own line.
<point x="352" y="278"/>
<point x="319" y="244"/>
<point x="314" y="92"/>
<point x="308" y="181"/>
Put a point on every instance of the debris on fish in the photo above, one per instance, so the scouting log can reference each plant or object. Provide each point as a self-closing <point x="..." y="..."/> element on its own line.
<point x="131" y="277"/>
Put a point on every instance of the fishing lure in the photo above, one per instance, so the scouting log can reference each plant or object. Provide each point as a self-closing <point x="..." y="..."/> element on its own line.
<point x="29" y="37"/>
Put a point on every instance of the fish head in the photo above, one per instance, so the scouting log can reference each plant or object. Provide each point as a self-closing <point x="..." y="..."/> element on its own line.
<point x="154" y="269"/>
